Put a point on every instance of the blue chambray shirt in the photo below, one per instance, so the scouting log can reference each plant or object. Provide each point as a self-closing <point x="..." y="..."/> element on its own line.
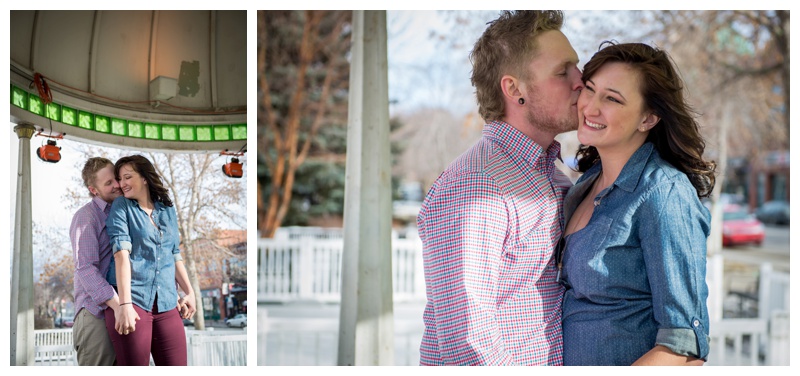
<point x="637" y="271"/>
<point x="153" y="251"/>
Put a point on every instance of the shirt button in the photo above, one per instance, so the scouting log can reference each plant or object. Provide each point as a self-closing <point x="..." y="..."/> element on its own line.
<point x="696" y="323"/>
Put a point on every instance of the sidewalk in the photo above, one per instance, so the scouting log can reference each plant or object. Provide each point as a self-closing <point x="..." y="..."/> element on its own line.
<point x="309" y="334"/>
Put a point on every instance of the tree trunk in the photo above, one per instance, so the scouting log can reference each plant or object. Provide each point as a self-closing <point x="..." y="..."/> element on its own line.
<point x="191" y="269"/>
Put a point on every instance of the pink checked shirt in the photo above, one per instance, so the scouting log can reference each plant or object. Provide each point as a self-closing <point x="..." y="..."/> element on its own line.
<point x="489" y="225"/>
<point x="91" y="251"/>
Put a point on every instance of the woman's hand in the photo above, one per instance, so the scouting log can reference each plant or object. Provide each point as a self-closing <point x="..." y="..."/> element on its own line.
<point x="663" y="356"/>
<point x="125" y="319"/>
<point x="187" y="306"/>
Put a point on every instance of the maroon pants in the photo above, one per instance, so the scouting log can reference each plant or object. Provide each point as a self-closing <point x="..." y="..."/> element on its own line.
<point x="161" y="334"/>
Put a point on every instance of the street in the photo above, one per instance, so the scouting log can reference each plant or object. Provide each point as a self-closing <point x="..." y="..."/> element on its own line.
<point x="775" y="249"/>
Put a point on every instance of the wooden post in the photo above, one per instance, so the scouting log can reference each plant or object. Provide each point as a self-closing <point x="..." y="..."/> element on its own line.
<point x="22" y="338"/>
<point x="366" y="326"/>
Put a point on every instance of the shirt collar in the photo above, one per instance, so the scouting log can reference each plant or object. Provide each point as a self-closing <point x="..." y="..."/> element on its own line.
<point x="157" y="205"/>
<point x="631" y="173"/>
<point x="101" y="204"/>
<point x="521" y="146"/>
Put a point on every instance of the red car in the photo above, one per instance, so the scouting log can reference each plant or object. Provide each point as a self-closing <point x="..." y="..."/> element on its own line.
<point x="740" y="227"/>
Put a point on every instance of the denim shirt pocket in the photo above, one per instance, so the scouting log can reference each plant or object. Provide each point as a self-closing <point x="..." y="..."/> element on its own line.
<point x="585" y="252"/>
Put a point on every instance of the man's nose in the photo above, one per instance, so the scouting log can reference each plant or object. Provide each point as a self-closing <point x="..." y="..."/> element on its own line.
<point x="577" y="80"/>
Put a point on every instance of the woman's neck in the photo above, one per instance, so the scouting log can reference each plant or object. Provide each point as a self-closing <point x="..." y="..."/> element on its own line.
<point x="145" y="202"/>
<point x="613" y="161"/>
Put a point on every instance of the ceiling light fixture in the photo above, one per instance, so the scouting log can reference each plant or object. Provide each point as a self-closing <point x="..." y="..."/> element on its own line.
<point x="233" y="169"/>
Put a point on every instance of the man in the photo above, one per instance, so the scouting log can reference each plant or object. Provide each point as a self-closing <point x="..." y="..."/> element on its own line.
<point x="91" y="250"/>
<point x="490" y="222"/>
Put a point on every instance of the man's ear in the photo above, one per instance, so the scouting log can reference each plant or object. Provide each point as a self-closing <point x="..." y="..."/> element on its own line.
<point x="511" y="88"/>
<point x="650" y="121"/>
<point x="93" y="190"/>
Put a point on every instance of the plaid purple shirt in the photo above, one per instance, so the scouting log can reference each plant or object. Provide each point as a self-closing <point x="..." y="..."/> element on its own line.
<point x="489" y="225"/>
<point x="91" y="252"/>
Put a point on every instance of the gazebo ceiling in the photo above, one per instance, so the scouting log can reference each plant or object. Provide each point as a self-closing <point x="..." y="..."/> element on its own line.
<point x="155" y="80"/>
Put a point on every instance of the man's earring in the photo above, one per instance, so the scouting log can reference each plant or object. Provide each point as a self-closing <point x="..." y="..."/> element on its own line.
<point x="521" y="101"/>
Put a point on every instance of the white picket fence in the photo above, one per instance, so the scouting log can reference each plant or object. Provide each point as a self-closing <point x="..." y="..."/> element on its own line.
<point x="53" y="347"/>
<point x="304" y="264"/>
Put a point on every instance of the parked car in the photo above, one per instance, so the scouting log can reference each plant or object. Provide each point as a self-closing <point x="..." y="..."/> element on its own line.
<point x="741" y="227"/>
<point x="63" y="322"/>
<point x="774" y="212"/>
<point x="239" y="320"/>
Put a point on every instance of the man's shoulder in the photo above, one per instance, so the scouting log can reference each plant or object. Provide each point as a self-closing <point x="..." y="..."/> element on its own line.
<point x="87" y="210"/>
<point x="86" y="215"/>
<point x="120" y="202"/>
<point x="479" y="158"/>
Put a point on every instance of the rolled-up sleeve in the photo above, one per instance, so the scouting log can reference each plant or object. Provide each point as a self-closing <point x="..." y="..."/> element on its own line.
<point x="464" y="230"/>
<point x="117" y="226"/>
<point x="674" y="227"/>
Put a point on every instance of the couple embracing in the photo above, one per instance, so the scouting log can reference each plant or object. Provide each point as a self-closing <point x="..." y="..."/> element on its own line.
<point x="127" y="264"/>
<point x="524" y="268"/>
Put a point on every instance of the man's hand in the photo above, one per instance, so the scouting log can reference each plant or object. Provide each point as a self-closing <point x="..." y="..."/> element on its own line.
<point x="187" y="306"/>
<point x="125" y="319"/>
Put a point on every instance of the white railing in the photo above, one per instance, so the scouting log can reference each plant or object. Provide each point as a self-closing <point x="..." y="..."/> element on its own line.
<point x="304" y="264"/>
<point x="298" y="265"/>
<point x="736" y="342"/>
<point x="224" y="348"/>
<point x="53" y="347"/>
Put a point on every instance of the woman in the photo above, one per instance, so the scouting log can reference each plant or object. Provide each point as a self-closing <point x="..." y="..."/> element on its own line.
<point x="144" y="235"/>
<point x="634" y="254"/>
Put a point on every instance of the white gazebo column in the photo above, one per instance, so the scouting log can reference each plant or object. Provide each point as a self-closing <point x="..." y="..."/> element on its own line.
<point x="366" y="327"/>
<point x="22" y="272"/>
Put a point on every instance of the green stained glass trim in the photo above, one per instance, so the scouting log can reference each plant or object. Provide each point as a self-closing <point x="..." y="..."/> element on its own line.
<point x="102" y="124"/>
<point x="169" y="132"/>
<point x="85" y="119"/>
<point x="126" y="128"/>
<point x="186" y="133"/>
<point x="204" y="133"/>
<point x="53" y="111"/>
<point x="239" y="131"/>
<point x="36" y="105"/>
<point x="222" y="132"/>
<point x="152" y="131"/>
<point x="119" y="127"/>
<point x="135" y="129"/>
<point x="69" y="116"/>
<point x="19" y="97"/>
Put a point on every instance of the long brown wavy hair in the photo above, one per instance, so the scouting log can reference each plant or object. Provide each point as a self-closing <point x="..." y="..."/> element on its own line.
<point x="677" y="136"/>
<point x="143" y="167"/>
